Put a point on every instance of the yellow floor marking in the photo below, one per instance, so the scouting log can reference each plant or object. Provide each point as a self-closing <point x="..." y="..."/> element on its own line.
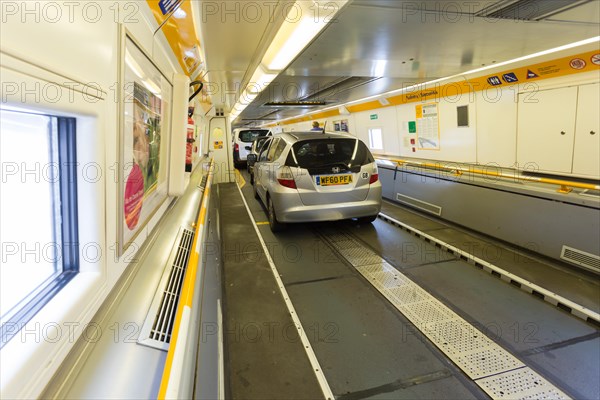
<point x="239" y="179"/>
<point x="262" y="223"/>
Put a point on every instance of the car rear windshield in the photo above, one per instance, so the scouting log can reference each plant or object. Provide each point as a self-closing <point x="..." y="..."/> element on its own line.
<point x="248" y="136"/>
<point x="321" y="156"/>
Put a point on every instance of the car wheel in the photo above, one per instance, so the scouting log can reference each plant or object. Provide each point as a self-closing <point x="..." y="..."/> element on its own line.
<point x="367" y="220"/>
<point x="275" y="225"/>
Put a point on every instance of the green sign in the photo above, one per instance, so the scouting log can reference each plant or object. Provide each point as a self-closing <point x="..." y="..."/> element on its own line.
<point x="374" y="116"/>
<point x="412" y="126"/>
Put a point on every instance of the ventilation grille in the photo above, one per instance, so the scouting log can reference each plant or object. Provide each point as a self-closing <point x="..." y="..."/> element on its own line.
<point x="528" y="10"/>
<point x="581" y="258"/>
<point x="420" y="204"/>
<point x="158" y="325"/>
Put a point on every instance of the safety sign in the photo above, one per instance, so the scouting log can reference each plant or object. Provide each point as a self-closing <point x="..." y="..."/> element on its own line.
<point x="577" y="63"/>
<point x="596" y="59"/>
<point x="531" y="74"/>
<point x="510" y="77"/>
<point x="494" y="81"/>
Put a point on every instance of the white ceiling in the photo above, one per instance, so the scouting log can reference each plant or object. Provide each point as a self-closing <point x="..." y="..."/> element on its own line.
<point x="380" y="45"/>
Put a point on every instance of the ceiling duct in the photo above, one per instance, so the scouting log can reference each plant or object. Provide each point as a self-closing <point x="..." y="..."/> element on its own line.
<point x="336" y="87"/>
<point x="528" y="10"/>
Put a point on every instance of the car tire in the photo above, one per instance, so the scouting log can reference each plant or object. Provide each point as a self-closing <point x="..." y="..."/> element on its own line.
<point x="367" y="220"/>
<point x="275" y="225"/>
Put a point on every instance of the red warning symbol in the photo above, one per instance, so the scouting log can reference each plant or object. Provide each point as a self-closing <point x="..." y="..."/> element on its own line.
<point x="577" y="63"/>
<point x="596" y="59"/>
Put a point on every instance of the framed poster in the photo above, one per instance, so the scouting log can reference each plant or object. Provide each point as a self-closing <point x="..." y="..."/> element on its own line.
<point x="145" y="103"/>
<point x="428" y="126"/>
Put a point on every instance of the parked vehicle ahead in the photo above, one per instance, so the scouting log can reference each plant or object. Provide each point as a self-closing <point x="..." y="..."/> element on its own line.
<point x="242" y="142"/>
<point x="253" y="155"/>
<point x="309" y="177"/>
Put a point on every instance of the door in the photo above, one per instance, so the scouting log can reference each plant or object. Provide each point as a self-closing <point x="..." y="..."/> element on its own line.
<point x="586" y="156"/>
<point x="546" y="129"/>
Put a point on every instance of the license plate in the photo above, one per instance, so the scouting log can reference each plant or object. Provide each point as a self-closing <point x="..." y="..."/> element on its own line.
<point x="330" y="180"/>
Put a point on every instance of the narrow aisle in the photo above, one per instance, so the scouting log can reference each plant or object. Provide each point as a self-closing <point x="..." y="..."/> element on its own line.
<point x="264" y="358"/>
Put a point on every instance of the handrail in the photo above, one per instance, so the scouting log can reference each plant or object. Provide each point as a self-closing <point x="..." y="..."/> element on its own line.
<point x="565" y="185"/>
<point x="174" y="364"/>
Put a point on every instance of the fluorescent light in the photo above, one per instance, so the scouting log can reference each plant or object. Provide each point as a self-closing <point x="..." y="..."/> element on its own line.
<point x="294" y="34"/>
<point x="305" y="31"/>
<point x="179" y="13"/>
<point x="379" y="69"/>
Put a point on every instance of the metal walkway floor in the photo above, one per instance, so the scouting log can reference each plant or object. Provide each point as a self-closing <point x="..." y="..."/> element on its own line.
<point x="365" y="346"/>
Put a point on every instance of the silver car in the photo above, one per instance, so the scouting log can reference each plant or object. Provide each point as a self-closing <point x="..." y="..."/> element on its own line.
<point x="309" y="177"/>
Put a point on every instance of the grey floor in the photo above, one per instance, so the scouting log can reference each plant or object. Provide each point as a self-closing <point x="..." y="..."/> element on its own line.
<point x="366" y="347"/>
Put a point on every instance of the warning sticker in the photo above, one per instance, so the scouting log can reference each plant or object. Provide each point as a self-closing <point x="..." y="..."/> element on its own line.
<point x="531" y="74"/>
<point x="596" y="59"/>
<point x="577" y="63"/>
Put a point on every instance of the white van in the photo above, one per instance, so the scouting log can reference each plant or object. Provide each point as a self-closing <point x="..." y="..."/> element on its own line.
<point x="242" y="143"/>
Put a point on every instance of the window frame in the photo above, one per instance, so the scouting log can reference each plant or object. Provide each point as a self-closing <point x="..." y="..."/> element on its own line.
<point x="65" y="220"/>
<point x="370" y="135"/>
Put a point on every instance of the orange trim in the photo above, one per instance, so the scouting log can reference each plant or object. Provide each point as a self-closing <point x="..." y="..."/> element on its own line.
<point x="187" y="291"/>
<point x="181" y="35"/>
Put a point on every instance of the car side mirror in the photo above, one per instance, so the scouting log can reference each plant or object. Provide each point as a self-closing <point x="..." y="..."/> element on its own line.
<point x="251" y="159"/>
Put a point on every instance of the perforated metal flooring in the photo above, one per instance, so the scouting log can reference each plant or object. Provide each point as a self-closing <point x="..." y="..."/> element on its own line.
<point x="492" y="368"/>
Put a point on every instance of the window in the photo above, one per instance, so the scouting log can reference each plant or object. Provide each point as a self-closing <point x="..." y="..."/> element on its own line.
<point x="250" y="135"/>
<point x="264" y="149"/>
<point x="271" y="155"/>
<point x="319" y="155"/>
<point x="280" y="147"/>
<point x="376" y="138"/>
<point x="38" y="209"/>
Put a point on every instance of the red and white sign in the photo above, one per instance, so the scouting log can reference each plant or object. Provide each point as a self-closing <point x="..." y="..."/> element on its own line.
<point x="596" y="59"/>
<point x="577" y="63"/>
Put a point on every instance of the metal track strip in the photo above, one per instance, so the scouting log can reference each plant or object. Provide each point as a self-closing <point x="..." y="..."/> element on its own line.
<point x="495" y="370"/>
<point x="564" y="304"/>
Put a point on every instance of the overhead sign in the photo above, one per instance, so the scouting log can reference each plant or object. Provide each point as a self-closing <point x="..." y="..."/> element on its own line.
<point x="168" y="6"/>
<point x="374" y="116"/>
<point x="494" y="81"/>
<point x="531" y="75"/>
<point x="510" y="77"/>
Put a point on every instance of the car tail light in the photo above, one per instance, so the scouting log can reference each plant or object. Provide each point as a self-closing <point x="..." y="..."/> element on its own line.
<point x="236" y="147"/>
<point x="374" y="178"/>
<point x="285" y="178"/>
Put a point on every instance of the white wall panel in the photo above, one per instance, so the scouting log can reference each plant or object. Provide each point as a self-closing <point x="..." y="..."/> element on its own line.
<point x="497" y="127"/>
<point x="586" y="155"/>
<point x="387" y="120"/>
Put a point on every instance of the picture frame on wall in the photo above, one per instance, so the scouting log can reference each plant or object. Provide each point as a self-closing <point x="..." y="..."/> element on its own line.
<point x="145" y="105"/>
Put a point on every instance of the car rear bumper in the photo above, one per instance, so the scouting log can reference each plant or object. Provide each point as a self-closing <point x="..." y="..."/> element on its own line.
<point x="289" y="208"/>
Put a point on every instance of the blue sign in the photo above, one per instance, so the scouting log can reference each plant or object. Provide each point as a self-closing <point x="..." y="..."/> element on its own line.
<point x="531" y="74"/>
<point x="168" y="6"/>
<point x="510" y="77"/>
<point x="494" y="81"/>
